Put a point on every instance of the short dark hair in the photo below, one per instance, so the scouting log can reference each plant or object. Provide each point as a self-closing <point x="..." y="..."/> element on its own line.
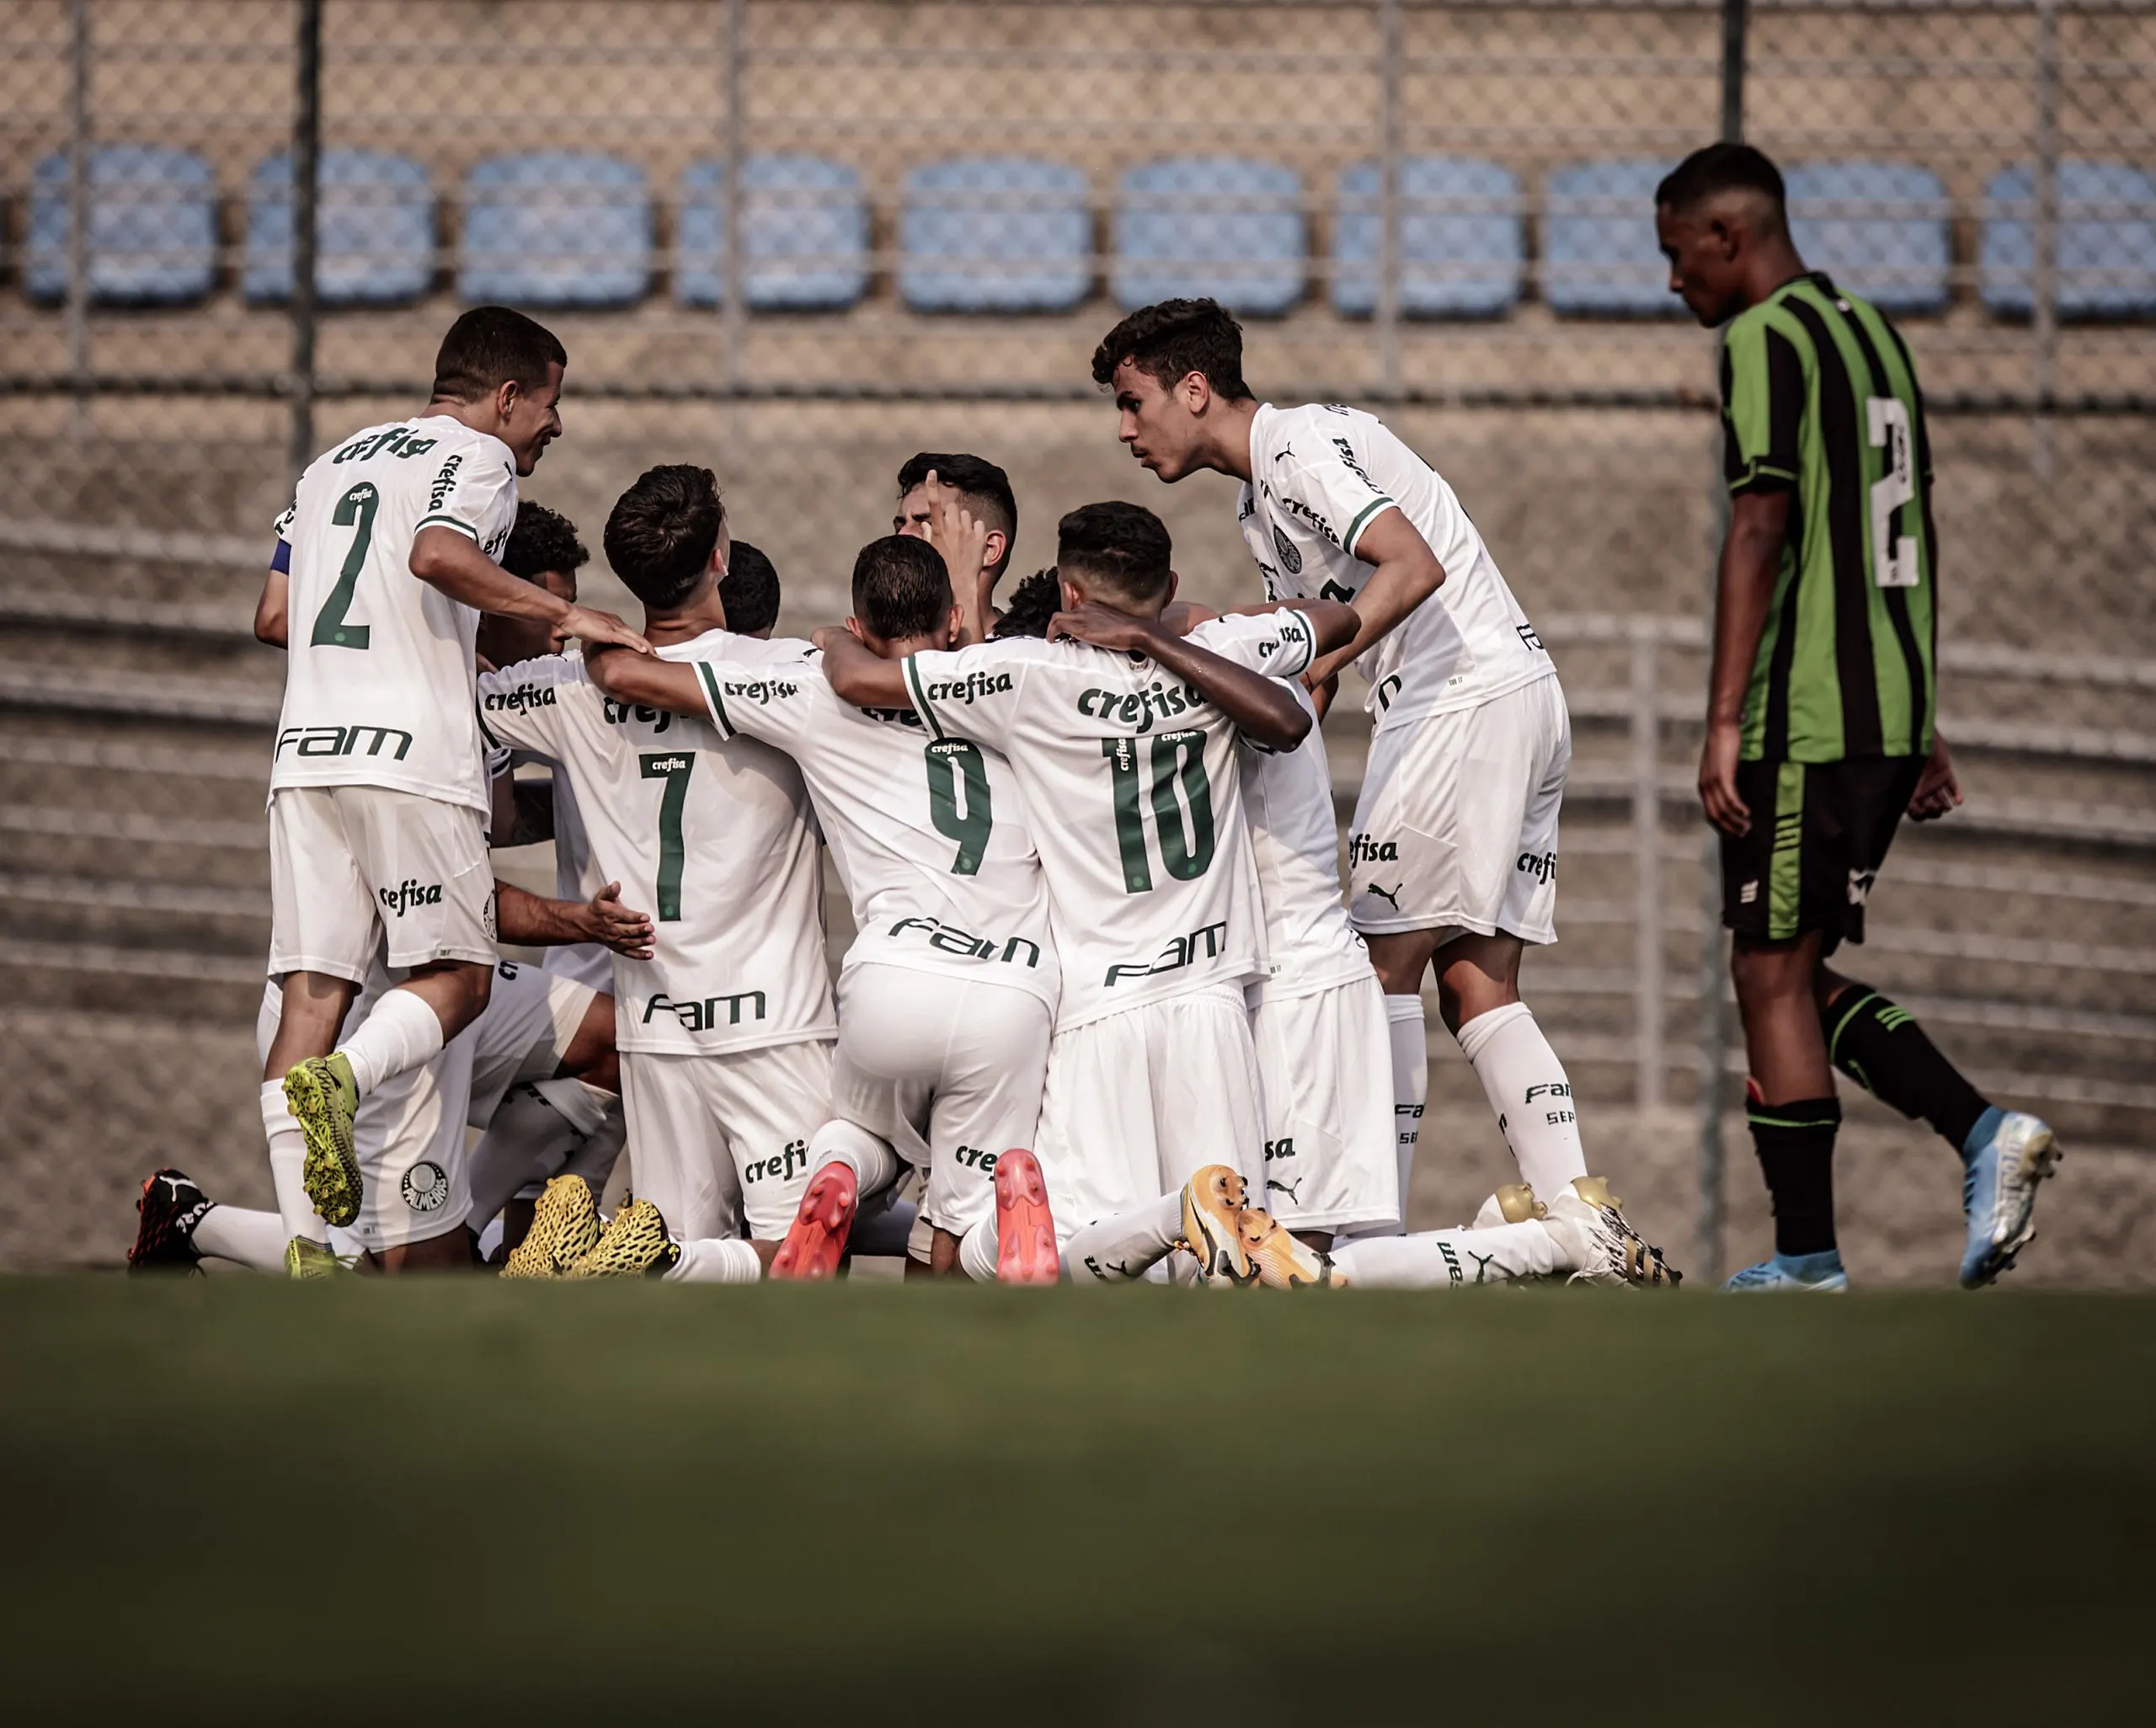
<point x="901" y="587"/>
<point x="1174" y="339"/>
<point x="749" y="590"/>
<point x="979" y="482"/>
<point x="542" y="540"/>
<point x="490" y="346"/>
<point x="663" y="531"/>
<point x="1124" y="548"/>
<point x="1033" y="602"/>
<point x="1720" y="167"/>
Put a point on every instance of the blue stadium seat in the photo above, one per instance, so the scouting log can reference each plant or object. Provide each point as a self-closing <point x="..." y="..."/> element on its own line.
<point x="1878" y="228"/>
<point x="995" y="233"/>
<point x="153" y="227"/>
<point x="1460" y="246"/>
<point x="555" y="228"/>
<point x="374" y="230"/>
<point x="1223" y="226"/>
<point x="804" y="235"/>
<point x="1599" y="257"/>
<point x="2106" y="255"/>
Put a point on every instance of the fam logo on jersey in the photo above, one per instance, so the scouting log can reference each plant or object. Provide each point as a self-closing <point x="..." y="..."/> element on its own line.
<point x="425" y="1187"/>
<point x="1290" y="556"/>
<point x="1139" y="709"/>
<point x="970" y="688"/>
<point x="1541" y="865"/>
<point x="1363" y="849"/>
<point x="949" y="939"/>
<point x="342" y="740"/>
<point x="1203" y="943"/>
<point x="521" y="700"/>
<point x="780" y="1166"/>
<point x="703" y="1016"/>
<point x="397" y="441"/>
<point x="409" y="893"/>
<point x="616" y="713"/>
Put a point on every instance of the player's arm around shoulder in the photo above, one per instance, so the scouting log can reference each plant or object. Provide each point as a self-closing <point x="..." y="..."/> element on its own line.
<point x="859" y="676"/>
<point x="645" y="680"/>
<point x="1263" y="709"/>
<point x="1405" y="572"/>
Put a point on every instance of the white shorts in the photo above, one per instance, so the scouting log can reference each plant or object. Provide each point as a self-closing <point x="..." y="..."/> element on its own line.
<point x="1330" y="1162"/>
<point x="720" y="1142"/>
<point x="360" y="871"/>
<point x="1456" y="827"/>
<point x="949" y="1071"/>
<point x="409" y="1135"/>
<point x="1138" y="1101"/>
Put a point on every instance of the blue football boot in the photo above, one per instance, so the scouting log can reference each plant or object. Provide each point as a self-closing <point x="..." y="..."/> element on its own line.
<point x="2009" y="1153"/>
<point x="1793" y="1271"/>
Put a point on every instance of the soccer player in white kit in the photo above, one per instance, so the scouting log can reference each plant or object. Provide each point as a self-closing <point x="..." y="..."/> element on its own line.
<point x="725" y="1033"/>
<point x="378" y="796"/>
<point x="946" y="997"/>
<point x="1128" y="771"/>
<point x="1453" y="852"/>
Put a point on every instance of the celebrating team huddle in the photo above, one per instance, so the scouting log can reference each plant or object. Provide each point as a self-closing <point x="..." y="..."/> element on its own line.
<point x="1109" y="1015"/>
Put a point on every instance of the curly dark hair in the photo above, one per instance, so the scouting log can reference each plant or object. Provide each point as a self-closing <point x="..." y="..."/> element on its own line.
<point x="1173" y="338"/>
<point x="1033" y="602"/>
<point x="542" y="540"/>
<point x="749" y="590"/>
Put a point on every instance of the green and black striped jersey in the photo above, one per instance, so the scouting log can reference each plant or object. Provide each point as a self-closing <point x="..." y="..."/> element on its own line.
<point x="1820" y="397"/>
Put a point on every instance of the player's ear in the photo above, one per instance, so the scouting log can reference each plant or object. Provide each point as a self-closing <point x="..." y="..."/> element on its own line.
<point x="1174" y="582"/>
<point x="994" y="548"/>
<point x="507" y="394"/>
<point x="955" y="623"/>
<point x="853" y="628"/>
<point x="1196" y="390"/>
<point x="1074" y="596"/>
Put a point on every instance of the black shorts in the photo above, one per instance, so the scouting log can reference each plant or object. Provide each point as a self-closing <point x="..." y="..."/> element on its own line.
<point x="1820" y="831"/>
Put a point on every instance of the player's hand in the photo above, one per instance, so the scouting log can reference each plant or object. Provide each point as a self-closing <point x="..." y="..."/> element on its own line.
<point x="954" y="531"/>
<point x="588" y="624"/>
<point x="1718" y="778"/>
<point x="1938" y="788"/>
<point x="1103" y="626"/>
<point x="606" y="920"/>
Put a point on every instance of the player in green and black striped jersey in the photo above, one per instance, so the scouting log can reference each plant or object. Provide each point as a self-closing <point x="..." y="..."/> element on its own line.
<point x="1822" y="718"/>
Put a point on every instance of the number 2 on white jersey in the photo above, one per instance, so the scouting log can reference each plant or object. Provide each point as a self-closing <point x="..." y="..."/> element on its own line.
<point x="1893" y="555"/>
<point x="355" y="509"/>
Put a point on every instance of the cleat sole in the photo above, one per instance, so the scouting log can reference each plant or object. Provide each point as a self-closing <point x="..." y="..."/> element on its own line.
<point x="815" y="1241"/>
<point x="1026" y="1252"/>
<point x="331" y="1171"/>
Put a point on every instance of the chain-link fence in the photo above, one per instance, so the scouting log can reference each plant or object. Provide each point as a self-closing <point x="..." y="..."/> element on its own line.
<point x="800" y="240"/>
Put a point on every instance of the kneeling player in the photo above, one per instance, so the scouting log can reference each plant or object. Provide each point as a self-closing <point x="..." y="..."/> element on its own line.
<point x="946" y="996"/>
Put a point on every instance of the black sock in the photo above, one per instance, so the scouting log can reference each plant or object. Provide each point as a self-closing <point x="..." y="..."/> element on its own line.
<point x="1882" y="1048"/>
<point x="1796" y="1145"/>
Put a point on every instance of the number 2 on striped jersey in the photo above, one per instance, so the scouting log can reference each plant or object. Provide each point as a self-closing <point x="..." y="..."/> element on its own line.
<point x="1893" y="553"/>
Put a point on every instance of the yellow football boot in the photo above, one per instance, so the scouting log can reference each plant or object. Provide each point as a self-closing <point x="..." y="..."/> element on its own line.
<point x="1281" y="1262"/>
<point x="307" y="1259"/>
<point x="634" y="1245"/>
<point x="325" y="1103"/>
<point x="564" y="1229"/>
<point x="1212" y="1203"/>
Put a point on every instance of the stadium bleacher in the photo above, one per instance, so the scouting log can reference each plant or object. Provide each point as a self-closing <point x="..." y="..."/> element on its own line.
<point x="1010" y="233"/>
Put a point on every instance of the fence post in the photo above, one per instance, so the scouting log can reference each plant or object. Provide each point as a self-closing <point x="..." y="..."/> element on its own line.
<point x="1647" y="847"/>
<point x="1714" y="972"/>
<point x="2043" y="321"/>
<point x="307" y="178"/>
<point x="1736" y="24"/>
<point x="79" y="207"/>
<point x="1387" y="305"/>
<point x="730" y="226"/>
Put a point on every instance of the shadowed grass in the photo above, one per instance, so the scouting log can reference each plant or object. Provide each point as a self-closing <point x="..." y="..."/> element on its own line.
<point x="235" y="1496"/>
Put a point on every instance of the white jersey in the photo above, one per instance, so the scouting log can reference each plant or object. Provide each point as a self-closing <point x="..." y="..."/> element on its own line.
<point x="378" y="668"/>
<point x="1131" y="788"/>
<point x="711" y="836"/>
<point x="1319" y="476"/>
<point x="929" y="835"/>
<point x="576" y="878"/>
<point x="1295" y="845"/>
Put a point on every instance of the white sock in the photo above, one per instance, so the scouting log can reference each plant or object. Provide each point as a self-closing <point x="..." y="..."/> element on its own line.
<point x="1526" y="1086"/>
<point x="288" y="1169"/>
<point x="717" y="1260"/>
<point x="252" y="1239"/>
<point x="874" y="1164"/>
<point x="977" y="1251"/>
<point x="1126" y="1245"/>
<point x="401" y="1032"/>
<point x="1451" y="1259"/>
<point x="1409" y="1034"/>
<point x="528" y="1140"/>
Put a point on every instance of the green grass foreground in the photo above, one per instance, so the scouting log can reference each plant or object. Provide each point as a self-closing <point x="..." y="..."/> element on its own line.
<point x="235" y="1498"/>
